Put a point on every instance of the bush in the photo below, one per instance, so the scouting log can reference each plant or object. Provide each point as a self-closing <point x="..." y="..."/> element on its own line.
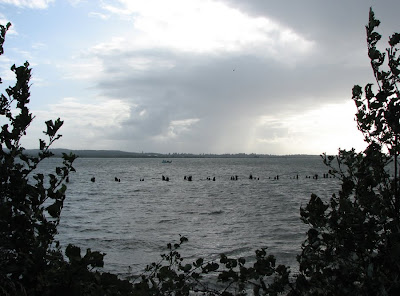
<point x="31" y="261"/>
<point x="353" y="244"/>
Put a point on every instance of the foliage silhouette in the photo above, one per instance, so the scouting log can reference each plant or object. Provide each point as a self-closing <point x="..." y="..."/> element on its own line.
<point x="171" y="276"/>
<point x="31" y="261"/>
<point x="353" y="244"/>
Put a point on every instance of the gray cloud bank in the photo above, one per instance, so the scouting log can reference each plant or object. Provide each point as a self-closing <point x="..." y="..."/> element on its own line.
<point x="229" y="101"/>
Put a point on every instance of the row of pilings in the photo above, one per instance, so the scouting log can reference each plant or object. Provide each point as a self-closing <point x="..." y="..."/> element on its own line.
<point x="236" y="177"/>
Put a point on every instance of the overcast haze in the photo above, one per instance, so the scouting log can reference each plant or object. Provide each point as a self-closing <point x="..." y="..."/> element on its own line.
<point x="228" y="76"/>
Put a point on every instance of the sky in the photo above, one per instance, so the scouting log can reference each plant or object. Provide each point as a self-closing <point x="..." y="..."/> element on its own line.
<point x="195" y="76"/>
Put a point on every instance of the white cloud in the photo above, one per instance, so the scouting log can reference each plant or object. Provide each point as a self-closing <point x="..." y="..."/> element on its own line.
<point x="86" y="125"/>
<point x="116" y="10"/>
<point x="99" y="15"/>
<point x="6" y="74"/>
<point x="78" y="68"/>
<point x="11" y="30"/>
<point x="207" y="27"/>
<point x="189" y="26"/>
<point x="76" y="2"/>
<point x="177" y="128"/>
<point x="36" y="4"/>
<point x="39" y="46"/>
<point x="107" y="113"/>
<point x="116" y="43"/>
<point x="325" y="129"/>
<point x="93" y="64"/>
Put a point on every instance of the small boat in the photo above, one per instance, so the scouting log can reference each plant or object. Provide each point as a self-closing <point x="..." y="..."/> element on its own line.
<point x="166" y="161"/>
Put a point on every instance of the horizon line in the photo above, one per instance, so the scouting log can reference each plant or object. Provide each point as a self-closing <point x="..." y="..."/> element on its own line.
<point x="170" y="154"/>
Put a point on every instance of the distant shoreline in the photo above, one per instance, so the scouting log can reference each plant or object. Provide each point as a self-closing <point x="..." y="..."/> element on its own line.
<point x="123" y="154"/>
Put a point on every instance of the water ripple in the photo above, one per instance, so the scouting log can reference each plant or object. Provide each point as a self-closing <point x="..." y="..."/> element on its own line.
<point x="133" y="220"/>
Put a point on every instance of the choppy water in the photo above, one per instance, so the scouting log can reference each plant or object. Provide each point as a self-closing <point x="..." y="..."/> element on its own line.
<point x="132" y="220"/>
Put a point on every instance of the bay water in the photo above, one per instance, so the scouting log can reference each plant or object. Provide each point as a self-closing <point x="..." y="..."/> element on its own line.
<point x="133" y="219"/>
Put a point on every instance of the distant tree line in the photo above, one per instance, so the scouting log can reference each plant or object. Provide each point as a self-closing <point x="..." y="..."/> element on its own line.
<point x="352" y="246"/>
<point x="58" y="152"/>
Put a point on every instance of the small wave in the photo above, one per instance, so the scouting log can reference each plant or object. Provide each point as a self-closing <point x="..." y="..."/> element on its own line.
<point x="246" y="251"/>
<point x="166" y="221"/>
<point x="217" y="212"/>
<point x="213" y="195"/>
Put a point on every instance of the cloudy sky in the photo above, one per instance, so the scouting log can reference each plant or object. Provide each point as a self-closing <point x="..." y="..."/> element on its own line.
<point x="198" y="76"/>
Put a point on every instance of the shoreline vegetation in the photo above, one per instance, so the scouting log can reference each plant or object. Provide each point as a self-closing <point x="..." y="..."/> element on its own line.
<point x="58" y="152"/>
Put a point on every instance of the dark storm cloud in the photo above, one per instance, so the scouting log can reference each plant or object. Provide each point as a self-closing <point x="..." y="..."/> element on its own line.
<point x="226" y="93"/>
<point x="330" y="21"/>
